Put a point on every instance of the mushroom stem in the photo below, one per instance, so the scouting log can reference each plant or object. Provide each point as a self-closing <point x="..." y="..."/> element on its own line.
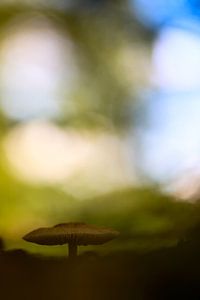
<point x="72" y="250"/>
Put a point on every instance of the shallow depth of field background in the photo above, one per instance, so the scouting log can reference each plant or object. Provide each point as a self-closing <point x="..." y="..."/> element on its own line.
<point x="100" y="119"/>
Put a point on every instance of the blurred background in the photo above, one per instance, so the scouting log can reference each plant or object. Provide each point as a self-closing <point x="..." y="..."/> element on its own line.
<point x="100" y="119"/>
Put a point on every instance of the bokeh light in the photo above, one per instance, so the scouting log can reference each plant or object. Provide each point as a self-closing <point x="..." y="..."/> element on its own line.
<point x="42" y="153"/>
<point x="172" y="144"/>
<point x="176" y="58"/>
<point x="36" y="63"/>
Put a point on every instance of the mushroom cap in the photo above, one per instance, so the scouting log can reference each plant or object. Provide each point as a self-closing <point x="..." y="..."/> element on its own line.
<point x="71" y="233"/>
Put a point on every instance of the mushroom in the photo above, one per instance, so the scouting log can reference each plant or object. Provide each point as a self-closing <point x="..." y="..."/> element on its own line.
<point x="73" y="234"/>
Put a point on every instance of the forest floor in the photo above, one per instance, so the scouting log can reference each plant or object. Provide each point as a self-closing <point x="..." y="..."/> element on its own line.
<point x="168" y="273"/>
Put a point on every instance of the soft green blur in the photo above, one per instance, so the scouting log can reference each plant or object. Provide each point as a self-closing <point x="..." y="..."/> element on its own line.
<point x="112" y="57"/>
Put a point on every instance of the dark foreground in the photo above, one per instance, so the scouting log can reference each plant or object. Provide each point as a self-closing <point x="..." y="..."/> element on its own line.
<point x="165" y="274"/>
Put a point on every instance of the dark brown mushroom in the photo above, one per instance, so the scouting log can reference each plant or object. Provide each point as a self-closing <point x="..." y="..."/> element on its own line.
<point x="73" y="234"/>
